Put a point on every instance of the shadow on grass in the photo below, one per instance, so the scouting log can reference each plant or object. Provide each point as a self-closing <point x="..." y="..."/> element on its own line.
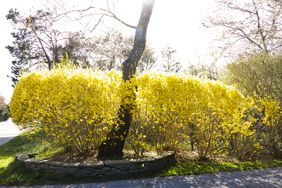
<point x="14" y="172"/>
<point x="21" y="144"/>
<point x="17" y="174"/>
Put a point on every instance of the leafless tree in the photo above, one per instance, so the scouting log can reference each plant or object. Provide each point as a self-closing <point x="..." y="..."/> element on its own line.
<point x="38" y="43"/>
<point x="252" y="25"/>
<point x="168" y="58"/>
<point x="113" y="48"/>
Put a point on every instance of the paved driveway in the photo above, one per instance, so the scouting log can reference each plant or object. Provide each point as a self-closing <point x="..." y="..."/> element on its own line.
<point x="8" y="130"/>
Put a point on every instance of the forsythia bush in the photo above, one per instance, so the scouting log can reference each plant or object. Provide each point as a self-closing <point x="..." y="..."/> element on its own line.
<point x="173" y="112"/>
<point x="77" y="108"/>
<point x="269" y="126"/>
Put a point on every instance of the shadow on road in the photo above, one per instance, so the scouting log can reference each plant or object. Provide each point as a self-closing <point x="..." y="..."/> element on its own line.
<point x="267" y="178"/>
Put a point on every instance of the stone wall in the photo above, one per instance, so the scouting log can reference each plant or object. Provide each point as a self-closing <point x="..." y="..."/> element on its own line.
<point x="103" y="169"/>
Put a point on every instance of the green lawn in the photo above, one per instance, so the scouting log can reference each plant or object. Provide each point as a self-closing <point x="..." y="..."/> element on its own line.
<point x="208" y="167"/>
<point x="15" y="173"/>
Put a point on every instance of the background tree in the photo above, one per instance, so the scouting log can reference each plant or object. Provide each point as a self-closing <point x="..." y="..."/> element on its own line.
<point x="203" y="71"/>
<point x="38" y="43"/>
<point x="251" y="25"/>
<point x="113" y="48"/>
<point x="168" y="58"/>
<point x="258" y="73"/>
<point x="80" y="49"/>
<point x="2" y="100"/>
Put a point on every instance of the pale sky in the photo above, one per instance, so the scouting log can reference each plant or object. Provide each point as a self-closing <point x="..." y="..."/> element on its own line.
<point x="176" y="23"/>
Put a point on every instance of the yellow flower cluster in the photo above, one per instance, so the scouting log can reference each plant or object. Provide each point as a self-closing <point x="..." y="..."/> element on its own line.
<point x="77" y="108"/>
<point x="173" y="112"/>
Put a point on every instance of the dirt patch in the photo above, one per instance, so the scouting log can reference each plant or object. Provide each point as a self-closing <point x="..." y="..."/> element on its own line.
<point x="69" y="157"/>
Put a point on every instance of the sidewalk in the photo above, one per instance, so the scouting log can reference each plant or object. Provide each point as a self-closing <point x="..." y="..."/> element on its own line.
<point x="8" y="130"/>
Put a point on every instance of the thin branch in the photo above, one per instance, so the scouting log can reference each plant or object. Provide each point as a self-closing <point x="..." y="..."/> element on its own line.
<point x="73" y="11"/>
<point x="259" y="28"/>
<point x="45" y="52"/>
<point x="105" y="12"/>
<point x="241" y="9"/>
<point x="243" y="34"/>
<point x="276" y="47"/>
<point x="113" y="15"/>
<point x="96" y="25"/>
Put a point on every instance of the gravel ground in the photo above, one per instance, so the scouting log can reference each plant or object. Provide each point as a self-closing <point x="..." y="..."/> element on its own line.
<point x="8" y="130"/>
<point x="266" y="178"/>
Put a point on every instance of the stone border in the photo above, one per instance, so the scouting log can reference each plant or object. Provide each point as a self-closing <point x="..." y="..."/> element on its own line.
<point x="102" y="169"/>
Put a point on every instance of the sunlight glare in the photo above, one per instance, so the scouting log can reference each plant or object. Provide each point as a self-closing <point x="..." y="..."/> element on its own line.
<point x="148" y="1"/>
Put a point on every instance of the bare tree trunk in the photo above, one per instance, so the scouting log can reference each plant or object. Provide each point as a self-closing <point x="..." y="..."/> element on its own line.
<point x="113" y="145"/>
<point x="47" y="58"/>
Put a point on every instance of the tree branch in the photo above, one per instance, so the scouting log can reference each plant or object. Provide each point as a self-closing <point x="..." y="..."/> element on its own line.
<point x="113" y="15"/>
<point x="105" y="12"/>
<point x="96" y="25"/>
<point x="243" y="34"/>
<point x="45" y="52"/>
<point x="259" y="28"/>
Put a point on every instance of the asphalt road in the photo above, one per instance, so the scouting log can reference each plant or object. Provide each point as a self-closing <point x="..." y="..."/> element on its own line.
<point x="8" y="130"/>
<point x="267" y="178"/>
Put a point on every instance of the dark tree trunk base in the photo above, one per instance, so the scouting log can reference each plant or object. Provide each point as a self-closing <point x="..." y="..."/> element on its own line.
<point x="110" y="151"/>
<point x="112" y="147"/>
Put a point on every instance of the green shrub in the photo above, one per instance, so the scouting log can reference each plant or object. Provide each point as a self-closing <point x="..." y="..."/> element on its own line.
<point x="4" y="110"/>
<point x="261" y="74"/>
<point x="4" y="113"/>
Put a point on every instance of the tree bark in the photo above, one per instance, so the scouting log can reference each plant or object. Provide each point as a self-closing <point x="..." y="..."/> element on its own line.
<point x="112" y="146"/>
<point x="47" y="58"/>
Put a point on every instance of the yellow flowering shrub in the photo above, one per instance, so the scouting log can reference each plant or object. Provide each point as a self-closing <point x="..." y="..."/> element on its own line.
<point x="263" y="116"/>
<point x="164" y="107"/>
<point x="172" y="111"/>
<point x="269" y="126"/>
<point x="77" y="109"/>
